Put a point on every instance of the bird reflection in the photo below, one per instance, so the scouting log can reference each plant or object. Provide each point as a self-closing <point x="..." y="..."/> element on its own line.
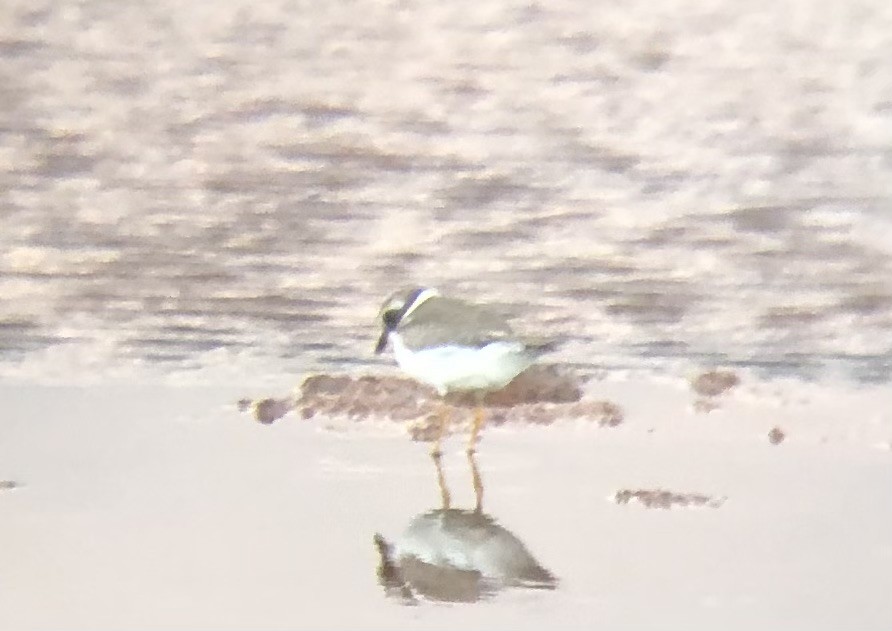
<point x="456" y="555"/>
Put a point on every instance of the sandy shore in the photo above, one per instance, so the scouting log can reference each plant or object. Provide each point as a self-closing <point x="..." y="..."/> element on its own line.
<point x="161" y="507"/>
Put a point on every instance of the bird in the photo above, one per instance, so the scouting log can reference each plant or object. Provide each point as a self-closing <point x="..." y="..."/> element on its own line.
<point x="454" y="346"/>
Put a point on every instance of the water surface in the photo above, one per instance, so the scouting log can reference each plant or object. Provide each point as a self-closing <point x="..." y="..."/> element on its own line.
<point x="185" y="187"/>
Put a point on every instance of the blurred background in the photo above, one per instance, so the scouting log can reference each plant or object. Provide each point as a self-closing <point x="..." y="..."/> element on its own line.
<point x="227" y="191"/>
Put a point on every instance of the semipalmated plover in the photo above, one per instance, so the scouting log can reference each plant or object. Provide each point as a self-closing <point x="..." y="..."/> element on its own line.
<point x="454" y="346"/>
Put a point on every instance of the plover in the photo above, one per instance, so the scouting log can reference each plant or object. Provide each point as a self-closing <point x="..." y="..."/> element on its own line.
<point x="454" y="346"/>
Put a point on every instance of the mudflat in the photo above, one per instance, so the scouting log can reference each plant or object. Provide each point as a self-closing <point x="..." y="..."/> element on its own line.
<point x="163" y="507"/>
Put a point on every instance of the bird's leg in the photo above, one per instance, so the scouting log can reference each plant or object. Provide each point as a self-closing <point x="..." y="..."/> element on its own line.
<point x="443" y="413"/>
<point x="478" y="482"/>
<point x="479" y="418"/>
<point x="445" y="498"/>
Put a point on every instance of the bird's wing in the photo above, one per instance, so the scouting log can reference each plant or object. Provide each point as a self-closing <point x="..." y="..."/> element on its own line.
<point x="441" y="321"/>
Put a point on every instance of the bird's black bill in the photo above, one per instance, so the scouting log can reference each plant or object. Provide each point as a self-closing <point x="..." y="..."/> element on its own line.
<point x="391" y="319"/>
<point x="382" y="342"/>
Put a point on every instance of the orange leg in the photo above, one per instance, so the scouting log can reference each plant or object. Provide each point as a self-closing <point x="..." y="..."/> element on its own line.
<point x="478" y="483"/>
<point x="444" y="414"/>
<point x="445" y="497"/>
<point x="479" y="418"/>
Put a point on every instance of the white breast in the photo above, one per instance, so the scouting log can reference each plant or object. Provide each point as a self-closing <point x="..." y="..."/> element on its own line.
<point x="449" y="368"/>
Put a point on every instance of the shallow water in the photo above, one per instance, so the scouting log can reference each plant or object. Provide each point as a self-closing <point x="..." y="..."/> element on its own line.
<point x="159" y="507"/>
<point x="237" y="188"/>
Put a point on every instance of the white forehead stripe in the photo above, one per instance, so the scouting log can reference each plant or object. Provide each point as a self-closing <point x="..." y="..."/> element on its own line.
<point x="424" y="295"/>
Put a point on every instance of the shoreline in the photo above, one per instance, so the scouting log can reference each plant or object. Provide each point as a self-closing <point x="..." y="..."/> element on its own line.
<point x="152" y="494"/>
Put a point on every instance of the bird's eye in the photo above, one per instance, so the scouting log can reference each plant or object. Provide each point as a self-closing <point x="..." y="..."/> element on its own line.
<point x="391" y="318"/>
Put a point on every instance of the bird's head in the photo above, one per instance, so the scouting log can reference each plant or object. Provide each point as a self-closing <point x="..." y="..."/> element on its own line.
<point x="395" y="308"/>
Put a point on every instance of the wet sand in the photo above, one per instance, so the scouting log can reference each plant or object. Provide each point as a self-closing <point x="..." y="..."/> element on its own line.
<point x="164" y="507"/>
